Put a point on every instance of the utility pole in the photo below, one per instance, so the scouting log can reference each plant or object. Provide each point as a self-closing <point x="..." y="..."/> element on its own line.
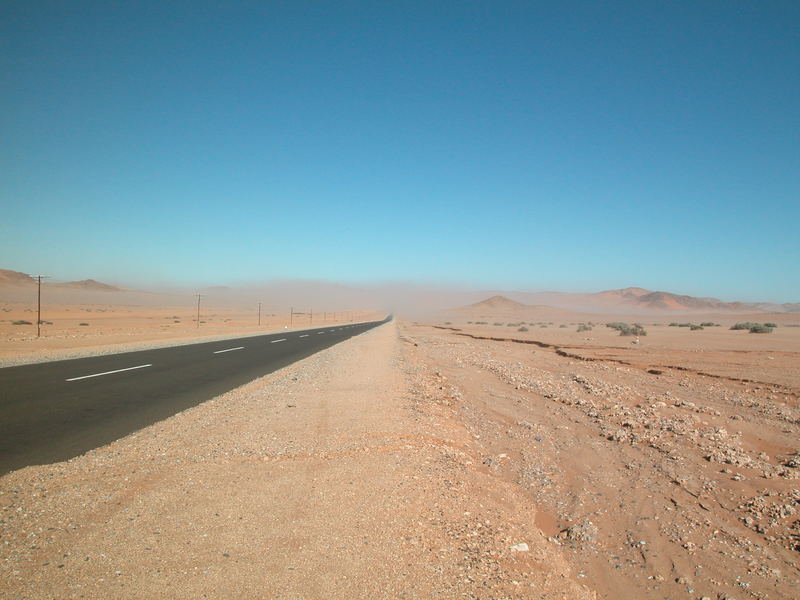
<point x="39" y="306"/>
<point x="291" y="315"/>
<point x="198" y="309"/>
<point x="310" y="315"/>
<point x="259" y="313"/>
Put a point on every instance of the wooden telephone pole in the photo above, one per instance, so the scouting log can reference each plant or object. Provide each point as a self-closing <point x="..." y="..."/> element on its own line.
<point x="198" y="309"/>
<point x="39" y="306"/>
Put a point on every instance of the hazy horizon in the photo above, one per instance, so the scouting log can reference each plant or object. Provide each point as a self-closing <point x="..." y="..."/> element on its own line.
<point x="408" y="297"/>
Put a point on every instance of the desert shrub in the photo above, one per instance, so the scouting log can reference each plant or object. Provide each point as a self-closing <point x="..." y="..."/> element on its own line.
<point x="625" y="329"/>
<point x="773" y="325"/>
<point x="83" y="324"/>
<point x="447" y="323"/>
<point x="562" y="326"/>
<point x="498" y="324"/>
<point x="674" y="324"/>
<point x="584" y="327"/>
<point x="708" y="324"/>
<point x="637" y="329"/>
<point x="481" y="323"/>
<point x="523" y="328"/>
<point x="21" y="322"/>
<point x="469" y="322"/>
<point x="542" y="326"/>
<point x="758" y="328"/>
<point x="745" y="325"/>
<point x="695" y="327"/>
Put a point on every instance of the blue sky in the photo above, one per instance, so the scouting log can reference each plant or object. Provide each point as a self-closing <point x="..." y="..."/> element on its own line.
<point x="573" y="146"/>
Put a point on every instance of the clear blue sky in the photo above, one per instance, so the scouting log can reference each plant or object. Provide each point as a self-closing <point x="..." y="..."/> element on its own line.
<point x="573" y="146"/>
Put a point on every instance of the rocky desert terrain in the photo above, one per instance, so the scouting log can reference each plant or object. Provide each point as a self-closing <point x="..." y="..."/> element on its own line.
<point x="665" y="468"/>
<point x="444" y="459"/>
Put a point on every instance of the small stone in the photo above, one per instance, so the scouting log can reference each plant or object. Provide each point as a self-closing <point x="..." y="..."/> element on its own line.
<point x="521" y="547"/>
<point x="582" y="532"/>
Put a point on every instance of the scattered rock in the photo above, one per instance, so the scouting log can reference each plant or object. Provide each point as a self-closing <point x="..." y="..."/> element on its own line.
<point x="585" y="532"/>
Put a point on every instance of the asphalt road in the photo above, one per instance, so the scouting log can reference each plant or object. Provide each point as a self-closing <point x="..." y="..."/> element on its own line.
<point x="54" y="411"/>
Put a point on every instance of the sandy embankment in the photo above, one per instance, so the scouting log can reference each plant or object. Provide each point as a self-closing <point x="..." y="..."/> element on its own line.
<point x="347" y="475"/>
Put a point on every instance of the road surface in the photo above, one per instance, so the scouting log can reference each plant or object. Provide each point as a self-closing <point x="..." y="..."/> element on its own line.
<point x="54" y="411"/>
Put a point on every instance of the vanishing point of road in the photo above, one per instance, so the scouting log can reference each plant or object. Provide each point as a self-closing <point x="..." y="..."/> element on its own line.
<point x="54" y="411"/>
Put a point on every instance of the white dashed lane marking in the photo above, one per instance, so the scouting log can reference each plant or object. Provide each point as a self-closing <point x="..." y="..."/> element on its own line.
<point x="276" y="341"/>
<point x="229" y="349"/>
<point x="108" y="372"/>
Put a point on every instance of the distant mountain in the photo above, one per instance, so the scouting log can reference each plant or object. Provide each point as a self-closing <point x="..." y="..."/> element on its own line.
<point x="89" y="284"/>
<point x="640" y="300"/>
<point x="667" y="302"/>
<point x="9" y="277"/>
<point x="500" y="305"/>
<point x="16" y="278"/>
<point x="788" y="307"/>
<point x="497" y="303"/>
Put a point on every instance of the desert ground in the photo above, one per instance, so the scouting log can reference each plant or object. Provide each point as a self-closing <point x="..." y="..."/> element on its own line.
<point x="440" y="459"/>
